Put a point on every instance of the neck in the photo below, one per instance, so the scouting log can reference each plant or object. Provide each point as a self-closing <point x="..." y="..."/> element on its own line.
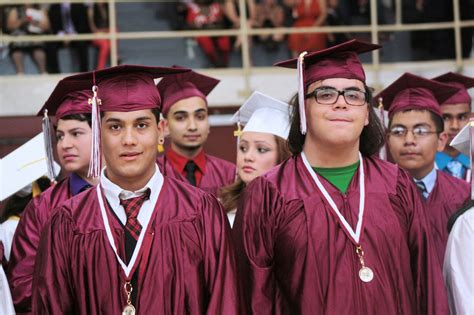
<point x="421" y="173"/>
<point x="452" y="152"/>
<point x="132" y="184"/>
<point x="189" y="153"/>
<point x="329" y="156"/>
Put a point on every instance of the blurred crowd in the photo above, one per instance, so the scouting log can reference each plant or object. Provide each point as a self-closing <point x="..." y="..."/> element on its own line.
<point x="84" y="18"/>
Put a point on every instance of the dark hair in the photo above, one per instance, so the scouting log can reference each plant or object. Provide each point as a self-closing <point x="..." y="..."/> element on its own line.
<point x="372" y="137"/>
<point x="437" y="120"/>
<point x="79" y="117"/>
<point x="467" y="205"/>
<point x="230" y="195"/>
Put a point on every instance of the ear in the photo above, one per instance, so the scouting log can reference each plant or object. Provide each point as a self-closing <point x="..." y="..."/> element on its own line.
<point x="165" y="127"/>
<point x="442" y="141"/>
<point x="366" y="122"/>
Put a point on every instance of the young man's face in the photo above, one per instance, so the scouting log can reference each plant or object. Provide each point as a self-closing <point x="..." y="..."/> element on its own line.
<point x="339" y="123"/>
<point x="455" y="117"/>
<point x="129" y="141"/>
<point x="187" y="124"/>
<point x="413" y="141"/>
<point x="73" y="145"/>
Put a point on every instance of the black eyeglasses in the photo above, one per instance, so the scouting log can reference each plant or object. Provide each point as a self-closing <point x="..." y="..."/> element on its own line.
<point x="329" y="96"/>
<point x="418" y="132"/>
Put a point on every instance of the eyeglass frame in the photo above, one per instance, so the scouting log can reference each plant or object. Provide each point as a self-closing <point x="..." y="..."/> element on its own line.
<point x="340" y="92"/>
<point x="412" y="130"/>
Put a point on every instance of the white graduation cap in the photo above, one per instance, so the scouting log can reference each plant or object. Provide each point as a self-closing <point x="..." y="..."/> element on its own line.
<point x="262" y="113"/>
<point x="463" y="142"/>
<point x="23" y="166"/>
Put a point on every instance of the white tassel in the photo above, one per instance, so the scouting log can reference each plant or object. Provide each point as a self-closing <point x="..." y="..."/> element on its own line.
<point x="48" y="145"/>
<point x="471" y="148"/>
<point x="382" y="115"/>
<point x="96" y="158"/>
<point x="301" y="96"/>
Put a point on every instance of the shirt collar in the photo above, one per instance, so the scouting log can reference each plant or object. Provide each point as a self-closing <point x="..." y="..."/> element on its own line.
<point x="179" y="161"/>
<point x="442" y="160"/>
<point x="430" y="180"/>
<point x="114" y="193"/>
<point x="77" y="184"/>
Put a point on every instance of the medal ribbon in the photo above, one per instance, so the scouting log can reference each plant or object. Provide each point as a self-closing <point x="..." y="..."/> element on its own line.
<point x="353" y="235"/>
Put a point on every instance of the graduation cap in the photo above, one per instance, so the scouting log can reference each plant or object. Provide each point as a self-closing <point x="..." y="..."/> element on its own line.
<point x="23" y="166"/>
<point x="414" y="92"/>
<point x="184" y="85"/>
<point x="123" y="88"/>
<point x="339" y="61"/>
<point x="262" y="113"/>
<point x="462" y="83"/>
<point x="464" y="143"/>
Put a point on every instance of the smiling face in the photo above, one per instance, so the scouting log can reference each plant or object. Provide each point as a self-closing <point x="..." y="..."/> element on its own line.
<point x="129" y="141"/>
<point x="74" y="139"/>
<point x="257" y="154"/>
<point x="338" y="124"/>
<point x="187" y="125"/>
<point x="416" y="154"/>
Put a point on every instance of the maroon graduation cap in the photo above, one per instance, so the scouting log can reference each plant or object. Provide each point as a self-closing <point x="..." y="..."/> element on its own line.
<point x="122" y="88"/>
<point x="339" y="61"/>
<point x="184" y="85"/>
<point x="462" y="83"/>
<point x="414" y="92"/>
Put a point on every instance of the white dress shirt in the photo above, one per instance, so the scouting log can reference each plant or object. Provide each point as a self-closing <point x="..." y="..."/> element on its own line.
<point x="458" y="266"/>
<point x="113" y="194"/>
<point x="429" y="180"/>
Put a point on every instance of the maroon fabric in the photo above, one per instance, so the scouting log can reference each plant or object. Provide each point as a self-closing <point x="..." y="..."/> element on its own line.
<point x="26" y="241"/>
<point x="132" y="208"/>
<point x="74" y="102"/>
<point x="294" y="257"/>
<point x="219" y="173"/>
<point x="461" y="82"/>
<point x="190" y="268"/>
<point x="414" y="92"/>
<point x="447" y="196"/>
<point x="339" y="61"/>
<point x="174" y="88"/>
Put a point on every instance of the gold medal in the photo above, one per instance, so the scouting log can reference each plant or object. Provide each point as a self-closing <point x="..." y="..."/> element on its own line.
<point x="366" y="274"/>
<point x="128" y="310"/>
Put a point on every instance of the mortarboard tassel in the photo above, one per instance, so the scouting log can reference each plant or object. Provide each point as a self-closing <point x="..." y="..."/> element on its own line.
<point x="48" y="145"/>
<point x="301" y="95"/>
<point x="96" y="158"/>
<point x="381" y="114"/>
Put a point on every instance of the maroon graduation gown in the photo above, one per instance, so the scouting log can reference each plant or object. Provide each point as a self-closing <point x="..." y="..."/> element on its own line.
<point x="294" y="257"/>
<point x="447" y="196"/>
<point x="219" y="173"/>
<point x="26" y="241"/>
<point x="190" y="267"/>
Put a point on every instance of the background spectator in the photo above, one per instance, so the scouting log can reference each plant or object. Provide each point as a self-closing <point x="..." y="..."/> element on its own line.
<point x="269" y="13"/>
<point x="68" y="18"/>
<point x="307" y="13"/>
<point x="98" y="17"/>
<point x="206" y="14"/>
<point x="27" y="20"/>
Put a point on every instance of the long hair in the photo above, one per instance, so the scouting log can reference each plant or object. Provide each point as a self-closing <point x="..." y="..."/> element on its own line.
<point x="230" y="195"/>
<point x="372" y="137"/>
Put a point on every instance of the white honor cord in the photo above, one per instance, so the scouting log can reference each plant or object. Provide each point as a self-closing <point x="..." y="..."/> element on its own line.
<point x="126" y="268"/>
<point x="355" y="234"/>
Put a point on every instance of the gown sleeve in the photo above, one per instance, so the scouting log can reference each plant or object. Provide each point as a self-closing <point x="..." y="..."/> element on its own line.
<point x="52" y="291"/>
<point x="23" y="253"/>
<point x="458" y="271"/>
<point x="425" y="266"/>
<point x="262" y="213"/>
<point x="220" y="270"/>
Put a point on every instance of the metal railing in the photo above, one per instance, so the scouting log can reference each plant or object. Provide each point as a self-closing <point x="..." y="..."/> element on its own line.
<point x="245" y="32"/>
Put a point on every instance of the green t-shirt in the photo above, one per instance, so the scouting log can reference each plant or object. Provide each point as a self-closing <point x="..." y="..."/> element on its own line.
<point x="338" y="176"/>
